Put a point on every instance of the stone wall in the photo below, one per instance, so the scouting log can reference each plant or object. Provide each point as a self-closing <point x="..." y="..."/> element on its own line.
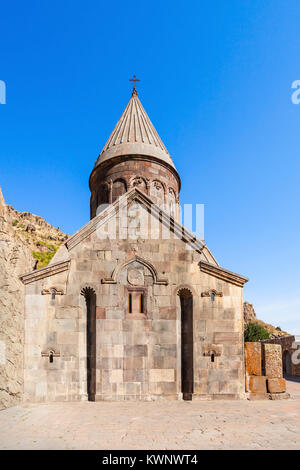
<point x="263" y="365"/>
<point x="138" y="353"/>
<point x="159" y="181"/>
<point x="15" y="259"/>
<point x="290" y="356"/>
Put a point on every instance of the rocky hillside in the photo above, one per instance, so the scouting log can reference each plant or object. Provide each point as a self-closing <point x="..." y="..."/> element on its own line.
<point x="15" y="259"/>
<point x="250" y="316"/>
<point x="27" y="241"/>
<point x="35" y="233"/>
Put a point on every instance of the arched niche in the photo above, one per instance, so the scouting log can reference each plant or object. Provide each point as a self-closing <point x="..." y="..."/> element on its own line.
<point x="90" y="299"/>
<point x="157" y="192"/>
<point x="119" y="188"/>
<point x="103" y="194"/>
<point x="187" y="343"/>
<point x="171" y="202"/>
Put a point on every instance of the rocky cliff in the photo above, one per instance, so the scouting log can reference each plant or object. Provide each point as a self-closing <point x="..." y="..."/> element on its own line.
<point x="36" y="234"/>
<point x="15" y="259"/>
<point x="250" y="316"/>
<point x="26" y="241"/>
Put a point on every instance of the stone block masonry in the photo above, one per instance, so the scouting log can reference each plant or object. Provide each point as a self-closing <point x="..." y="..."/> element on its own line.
<point x="273" y="361"/>
<point x="271" y="385"/>
<point x="276" y="385"/>
<point x="253" y="358"/>
<point x="138" y="351"/>
<point x="258" y="384"/>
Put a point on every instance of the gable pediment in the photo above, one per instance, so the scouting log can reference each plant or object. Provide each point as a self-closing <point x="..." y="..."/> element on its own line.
<point x="163" y="218"/>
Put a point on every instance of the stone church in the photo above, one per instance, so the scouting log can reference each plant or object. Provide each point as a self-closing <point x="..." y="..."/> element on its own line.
<point x="133" y="306"/>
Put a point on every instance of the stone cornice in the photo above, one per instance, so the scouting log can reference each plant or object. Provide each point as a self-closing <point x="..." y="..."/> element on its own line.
<point x="50" y="270"/>
<point x="223" y="274"/>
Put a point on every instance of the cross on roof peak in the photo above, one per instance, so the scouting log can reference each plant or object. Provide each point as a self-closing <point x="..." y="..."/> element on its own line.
<point x="134" y="79"/>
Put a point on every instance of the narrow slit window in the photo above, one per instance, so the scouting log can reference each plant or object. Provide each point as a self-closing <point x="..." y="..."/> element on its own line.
<point x="142" y="303"/>
<point x="51" y="356"/>
<point x="53" y="295"/>
<point x="212" y="296"/>
<point x="130" y="303"/>
<point x="212" y="357"/>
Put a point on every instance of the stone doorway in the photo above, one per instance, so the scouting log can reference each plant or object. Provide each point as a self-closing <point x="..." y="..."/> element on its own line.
<point x="287" y="364"/>
<point x="187" y="344"/>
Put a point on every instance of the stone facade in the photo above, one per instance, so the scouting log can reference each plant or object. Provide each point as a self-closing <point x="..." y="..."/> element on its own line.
<point x="138" y="355"/>
<point x="133" y="306"/>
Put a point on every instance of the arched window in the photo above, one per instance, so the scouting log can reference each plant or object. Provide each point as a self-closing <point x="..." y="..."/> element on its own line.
<point x="212" y="296"/>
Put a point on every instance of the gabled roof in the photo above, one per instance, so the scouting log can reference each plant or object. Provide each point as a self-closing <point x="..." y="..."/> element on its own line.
<point x="209" y="266"/>
<point x="49" y="270"/>
<point x="136" y="194"/>
<point x="134" y="134"/>
<point x="223" y="274"/>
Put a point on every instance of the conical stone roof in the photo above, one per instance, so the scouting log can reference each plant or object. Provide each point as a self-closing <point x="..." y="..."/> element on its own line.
<point x="134" y="134"/>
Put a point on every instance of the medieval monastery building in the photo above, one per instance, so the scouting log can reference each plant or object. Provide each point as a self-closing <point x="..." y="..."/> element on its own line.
<point x="133" y="306"/>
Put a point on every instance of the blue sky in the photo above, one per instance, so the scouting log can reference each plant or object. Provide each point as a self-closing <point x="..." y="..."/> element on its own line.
<point x="216" y="82"/>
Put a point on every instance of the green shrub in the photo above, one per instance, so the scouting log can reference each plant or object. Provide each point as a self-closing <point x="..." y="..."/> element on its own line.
<point x="48" y="245"/>
<point x="14" y="223"/>
<point x="255" y="332"/>
<point x="43" y="258"/>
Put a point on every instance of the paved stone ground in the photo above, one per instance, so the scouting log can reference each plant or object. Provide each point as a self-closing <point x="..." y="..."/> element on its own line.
<point x="156" y="425"/>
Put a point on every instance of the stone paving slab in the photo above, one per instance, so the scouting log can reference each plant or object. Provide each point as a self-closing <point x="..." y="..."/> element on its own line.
<point x="205" y="425"/>
<point x="155" y="425"/>
<point x="293" y="386"/>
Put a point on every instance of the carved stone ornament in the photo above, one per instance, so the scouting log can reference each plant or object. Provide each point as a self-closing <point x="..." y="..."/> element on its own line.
<point x="208" y="293"/>
<point x="52" y="290"/>
<point x="47" y="352"/>
<point x="157" y="185"/>
<point x="212" y="349"/>
<point x="137" y="181"/>
<point x="135" y="277"/>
